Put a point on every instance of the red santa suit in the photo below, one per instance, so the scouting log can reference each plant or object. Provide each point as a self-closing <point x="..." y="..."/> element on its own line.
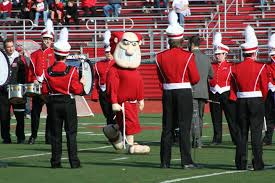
<point x="125" y="86"/>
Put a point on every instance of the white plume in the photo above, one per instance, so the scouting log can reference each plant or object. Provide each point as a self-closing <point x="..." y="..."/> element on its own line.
<point x="64" y="35"/>
<point x="49" y="25"/>
<point x="217" y="38"/>
<point x="250" y="36"/>
<point x="271" y="42"/>
<point x="173" y="18"/>
<point x="107" y="36"/>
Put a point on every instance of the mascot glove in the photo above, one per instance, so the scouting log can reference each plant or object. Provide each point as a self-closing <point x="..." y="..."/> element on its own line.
<point x="116" y="107"/>
<point x="141" y="104"/>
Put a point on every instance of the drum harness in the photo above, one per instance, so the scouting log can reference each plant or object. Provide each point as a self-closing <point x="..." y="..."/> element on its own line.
<point x="57" y="74"/>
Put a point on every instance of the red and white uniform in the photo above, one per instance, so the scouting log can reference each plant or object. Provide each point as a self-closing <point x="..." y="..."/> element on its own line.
<point x="126" y="86"/>
<point x="62" y="85"/>
<point x="101" y="69"/>
<point x="252" y="85"/>
<point x="271" y="76"/>
<point x="177" y="75"/>
<point x="41" y="60"/>
<point x="222" y="77"/>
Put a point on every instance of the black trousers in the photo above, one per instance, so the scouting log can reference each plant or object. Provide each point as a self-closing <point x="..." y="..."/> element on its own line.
<point x="269" y="116"/>
<point x="19" y="110"/>
<point x="106" y="108"/>
<point x="177" y="111"/>
<point x="62" y="109"/>
<point x="229" y="108"/>
<point x="37" y="104"/>
<point x="250" y="116"/>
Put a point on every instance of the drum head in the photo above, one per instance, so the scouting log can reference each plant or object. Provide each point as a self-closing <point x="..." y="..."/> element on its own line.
<point x="4" y="69"/>
<point x="87" y="72"/>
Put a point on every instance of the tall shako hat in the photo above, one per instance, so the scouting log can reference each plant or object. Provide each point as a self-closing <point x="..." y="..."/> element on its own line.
<point x="62" y="47"/>
<point x="107" y="36"/>
<point x="271" y="44"/>
<point x="174" y="30"/>
<point x="218" y="46"/>
<point x="48" y="31"/>
<point x="251" y="42"/>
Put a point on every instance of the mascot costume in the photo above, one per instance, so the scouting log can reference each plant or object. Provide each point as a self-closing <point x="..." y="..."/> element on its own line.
<point x="125" y="92"/>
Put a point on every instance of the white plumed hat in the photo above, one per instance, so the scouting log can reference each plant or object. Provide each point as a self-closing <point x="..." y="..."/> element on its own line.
<point x="48" y="31"/>
<point x="62" y="47"/>
<point x="251" y="42"/>
<point x="174" y="30"/>
<point x="107" y="36"/>
<point x="271" y="44"/>
<point x="218" y="46"/>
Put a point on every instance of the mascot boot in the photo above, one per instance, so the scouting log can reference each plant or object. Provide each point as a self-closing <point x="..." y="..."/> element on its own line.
<point x="114" y="136"/>
<point x="135" y="148"/>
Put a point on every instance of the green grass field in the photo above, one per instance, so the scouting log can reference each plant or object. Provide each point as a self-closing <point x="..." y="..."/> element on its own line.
<point x="100" y="162"/>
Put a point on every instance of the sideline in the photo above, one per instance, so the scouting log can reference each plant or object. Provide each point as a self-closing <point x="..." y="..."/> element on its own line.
<point x="43" y="154"/>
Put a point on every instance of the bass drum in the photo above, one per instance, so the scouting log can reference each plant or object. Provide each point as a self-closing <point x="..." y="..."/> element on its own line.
<point x="4" y="68"/>
<point x="86" y="71"/>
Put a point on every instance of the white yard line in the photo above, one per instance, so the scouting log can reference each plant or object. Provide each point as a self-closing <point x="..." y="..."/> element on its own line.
<point x="43" y="154"/>
<point x="122" y="158"/>
<point x="211" y="175"/>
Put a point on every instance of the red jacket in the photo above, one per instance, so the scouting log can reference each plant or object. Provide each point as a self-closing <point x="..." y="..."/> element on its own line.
<point x="6" y="8"/>
<point x="249" y="80"/>
<point x="222" y="77"/>
<point x="124" y="85"/>
<point x="101" y="69"/>
<point x="177" y="69"/>
<point x="66" y="85"/>
<point x="40" y="61"/>
<point x="271" y="76"/>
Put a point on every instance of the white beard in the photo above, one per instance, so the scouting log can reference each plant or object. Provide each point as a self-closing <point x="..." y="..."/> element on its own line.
<point x="127" y="61"/>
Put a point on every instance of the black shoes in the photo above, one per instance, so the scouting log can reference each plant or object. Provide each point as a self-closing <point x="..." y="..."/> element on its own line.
<point x="20" y="141"/>
<point x="31" y="140"/>
<point x="7" y="141"/>
<point x="57" y="165"/>
<point x="164" y="166"/>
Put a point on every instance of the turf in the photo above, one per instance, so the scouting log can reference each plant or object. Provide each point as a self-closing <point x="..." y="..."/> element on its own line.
<point x="101" y="163"/>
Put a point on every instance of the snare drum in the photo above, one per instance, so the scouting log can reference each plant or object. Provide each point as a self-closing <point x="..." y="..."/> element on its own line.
<point x="32" y="89"/>
<point x="16" y="92"/>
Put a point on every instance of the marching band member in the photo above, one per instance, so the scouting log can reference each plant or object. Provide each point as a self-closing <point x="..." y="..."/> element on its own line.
<point x="125" y="90"/>
<point x="249" y="89"/>
<point x="17" y="77"/>
<point x="61" y="84"/>
<point x="41" y="60"/>
<point x="219" y="91"/>
<point x="177" y="72"/>
<point x="101" y="69"/>
<point x="269" y="102"/>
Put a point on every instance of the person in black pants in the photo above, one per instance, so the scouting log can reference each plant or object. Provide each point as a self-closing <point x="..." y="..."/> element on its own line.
<point x="61" y="84"/>
<point x="71" y="13"/>
<point x="17" y="77"/>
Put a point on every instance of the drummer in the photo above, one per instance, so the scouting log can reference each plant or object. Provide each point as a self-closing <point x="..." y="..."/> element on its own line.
<point x="40" y="61"/>
<point x="17" y="77"/>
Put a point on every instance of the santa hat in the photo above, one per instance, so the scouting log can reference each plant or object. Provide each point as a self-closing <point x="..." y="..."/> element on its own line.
<point x="116" y="37"/>
<point x="271" y="44"/>
<point x="218" y="46"/>
<point x="251" y="42"/>
<point x="62" y="47"/>
<point x="107" y="36"/>
<point x="48" y="31"/>
<point x="174" y="30"/>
